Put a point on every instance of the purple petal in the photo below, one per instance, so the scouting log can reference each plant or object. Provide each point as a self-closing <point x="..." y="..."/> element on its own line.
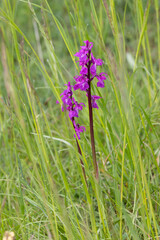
<point x="93" y="69"/>
<point x="78" y="130"/>
<point x="95" y="97"/>
<point x="84" y="86"/>
<point x="94" y="105"/>
<point x="78" y="54"/>
<point x="82" y="128"/>
<point x="77" y="86"/>
<point x="100" y="77"/>
<point x="99" y="62"/>
<point x="84" y="70"/>
<point x="100" y="84"/>
<point x="89" y="45"/>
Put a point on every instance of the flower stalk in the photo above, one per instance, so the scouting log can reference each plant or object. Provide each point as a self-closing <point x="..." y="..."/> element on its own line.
<point x="95" y="164"/>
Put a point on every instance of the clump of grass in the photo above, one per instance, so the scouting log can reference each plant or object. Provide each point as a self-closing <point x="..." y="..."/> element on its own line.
<point x="43" y="191"/>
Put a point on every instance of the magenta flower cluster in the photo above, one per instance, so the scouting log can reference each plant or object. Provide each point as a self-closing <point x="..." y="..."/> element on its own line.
<point x="73" y="107"/>
<point x="88" y="72"/>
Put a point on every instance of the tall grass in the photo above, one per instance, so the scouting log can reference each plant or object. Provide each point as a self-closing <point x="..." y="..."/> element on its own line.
<point x="42" y="188"/>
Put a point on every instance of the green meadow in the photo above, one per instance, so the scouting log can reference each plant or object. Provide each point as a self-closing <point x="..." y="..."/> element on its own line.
<point x="43" y="192"/>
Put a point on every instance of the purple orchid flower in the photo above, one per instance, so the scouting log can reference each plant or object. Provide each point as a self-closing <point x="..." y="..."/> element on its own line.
<point x="88" y="72"/>
<point x="94" y="99"/>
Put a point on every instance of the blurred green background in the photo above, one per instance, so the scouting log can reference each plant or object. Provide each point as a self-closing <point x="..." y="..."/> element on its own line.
<point x="42" y="190"/>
